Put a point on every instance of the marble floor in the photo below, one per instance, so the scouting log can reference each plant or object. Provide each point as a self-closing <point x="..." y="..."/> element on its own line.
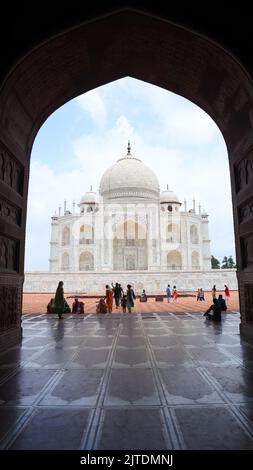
<point x="140" y="381"/>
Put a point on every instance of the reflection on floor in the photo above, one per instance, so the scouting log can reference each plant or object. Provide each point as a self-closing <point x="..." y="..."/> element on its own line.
<point x="127" y="382"/>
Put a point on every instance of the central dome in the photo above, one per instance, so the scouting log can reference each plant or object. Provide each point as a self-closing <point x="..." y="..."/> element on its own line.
<point x="128" y="178"/>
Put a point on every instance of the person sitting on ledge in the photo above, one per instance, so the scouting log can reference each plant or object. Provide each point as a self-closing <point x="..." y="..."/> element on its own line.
<point x="215" y="308"/>
<point x="101" y="306"/>
<point x="51" y="306"/>
<point x="222" y="303"/>
<point x="143" y="297"/>
<point x="77" y="307"/>
<point x="67" y="308"/>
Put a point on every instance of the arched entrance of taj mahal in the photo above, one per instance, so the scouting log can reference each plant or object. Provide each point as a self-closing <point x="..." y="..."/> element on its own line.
<point x="118" y="45"/>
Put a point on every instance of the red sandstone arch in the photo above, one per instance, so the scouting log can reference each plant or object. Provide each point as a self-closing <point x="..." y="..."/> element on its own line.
<point x="126" y="43"/>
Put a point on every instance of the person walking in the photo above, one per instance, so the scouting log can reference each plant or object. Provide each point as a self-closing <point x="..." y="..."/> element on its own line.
<point x="130" y="296"/>
<point x="117" y="294"/>
<point x="124" y="303"/>
<point x="227" y="293"/>
<point x="168" y="293"/>
<point x="214" y="292"/>
<point x="109" y="298"/>
<point x="174" y="294"/>
<point x="59" y="300"/>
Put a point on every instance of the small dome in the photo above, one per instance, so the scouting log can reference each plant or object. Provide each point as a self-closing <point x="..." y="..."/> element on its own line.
<point x="129" y="177"/>
<point x="169" y="196"/>
<point x="90" y="197"/>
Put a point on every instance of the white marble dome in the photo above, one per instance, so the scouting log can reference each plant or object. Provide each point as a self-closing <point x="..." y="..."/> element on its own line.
<point x="90" y="197"/>
<point x="169" y="196"/>
<point x="129" y="177"/>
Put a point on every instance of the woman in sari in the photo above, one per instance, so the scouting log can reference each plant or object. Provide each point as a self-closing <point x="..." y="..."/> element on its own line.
<point x="130" y="296"/>
<point x="109" y="298"/>
<point x="59" y="300"/>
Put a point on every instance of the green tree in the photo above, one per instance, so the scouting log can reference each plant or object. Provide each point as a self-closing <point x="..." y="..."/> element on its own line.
<point x="231" y="263"/>
<point x="215" y="263"/>
<point x="224" y="263"/>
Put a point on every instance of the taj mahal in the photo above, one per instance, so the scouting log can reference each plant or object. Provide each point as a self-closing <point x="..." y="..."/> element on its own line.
<point x="130" y="231"/>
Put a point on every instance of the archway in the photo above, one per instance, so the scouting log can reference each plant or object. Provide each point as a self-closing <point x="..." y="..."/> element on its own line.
<point x="119" y="45"/>
<point x="194" y="234"/>
<point x="173" y="233"/>
<point x="86" y="261"/>
<point x="65" y="236"/>
<point x="86" y="236"/>
<point x="130" y="251"/>
<point x="174" y="260"/>
<point x="195" y="260"/>
<point x="65" y="262"/>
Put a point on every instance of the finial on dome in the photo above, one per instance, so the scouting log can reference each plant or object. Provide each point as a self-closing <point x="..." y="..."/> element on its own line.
<point x="128" y="148"/>
<point x="91" y="187"/>
<point x="167" y="187"/>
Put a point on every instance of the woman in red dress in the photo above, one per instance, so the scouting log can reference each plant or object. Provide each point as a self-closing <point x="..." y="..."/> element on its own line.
<point x="227" y="293"/>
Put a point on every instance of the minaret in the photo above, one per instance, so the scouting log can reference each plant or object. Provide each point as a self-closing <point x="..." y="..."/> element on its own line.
<point x="194" y="205"/>
<point x="65" y="207"/>
<point x="185" y="205"/>
<point x="54" y="244"/>
<point x="206" y="241"/>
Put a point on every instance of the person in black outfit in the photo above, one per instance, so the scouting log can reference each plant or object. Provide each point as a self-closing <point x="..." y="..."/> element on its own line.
<point x="215" y="308"/>
<point x="222" y="303"/>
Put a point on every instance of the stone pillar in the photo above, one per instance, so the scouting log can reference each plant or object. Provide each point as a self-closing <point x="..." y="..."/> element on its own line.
<point x="13" y="193"/>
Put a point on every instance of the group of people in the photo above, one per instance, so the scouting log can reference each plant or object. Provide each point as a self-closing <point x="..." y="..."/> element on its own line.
<point x="219" y="305"/>
<point x="126" y="300"/>
<point x="172" y="294"/>
<point x="59" y="305"/>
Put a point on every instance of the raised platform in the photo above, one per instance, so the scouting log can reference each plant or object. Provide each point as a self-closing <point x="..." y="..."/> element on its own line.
<point x="152" y="282"/>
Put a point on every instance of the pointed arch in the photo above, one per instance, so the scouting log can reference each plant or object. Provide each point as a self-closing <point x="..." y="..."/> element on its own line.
<point x="86" y="261"/>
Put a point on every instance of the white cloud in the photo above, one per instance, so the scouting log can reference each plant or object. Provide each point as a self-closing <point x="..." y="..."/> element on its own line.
<point x="93" y="104"/>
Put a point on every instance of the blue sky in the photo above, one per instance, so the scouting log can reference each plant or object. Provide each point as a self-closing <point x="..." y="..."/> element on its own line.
<point x="173" y="136"/>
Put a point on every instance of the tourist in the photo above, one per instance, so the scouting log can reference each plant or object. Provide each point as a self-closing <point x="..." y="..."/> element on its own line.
<point x="227" y="293"/>
<point x="222" y="303"/>
<point x="214" y="292"/>
<point x="109" y="297"/>
<point x="168" y="293"/>
<point x="200" y="295"/>
<point x="215" y="308"/>
<point x="130" y="296"/>
<point x="174" y="294"/>
<point x="101" y="306"/>
<point x="59" y="301"/>
<point x="124" y="303"/>
<point x="76" y="306"/>
<point x="117" y="294"/>
<point x="67" y="308"/>
<point x="51" y="306"/>
<point x="143" y="296"/>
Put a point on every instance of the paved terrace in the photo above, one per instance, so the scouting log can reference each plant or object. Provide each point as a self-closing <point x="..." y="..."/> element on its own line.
<point x="37" y="303"/>
<point x="143" y="381"/>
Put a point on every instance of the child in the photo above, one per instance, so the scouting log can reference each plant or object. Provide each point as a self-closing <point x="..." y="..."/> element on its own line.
<point x="124" y="303"/>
